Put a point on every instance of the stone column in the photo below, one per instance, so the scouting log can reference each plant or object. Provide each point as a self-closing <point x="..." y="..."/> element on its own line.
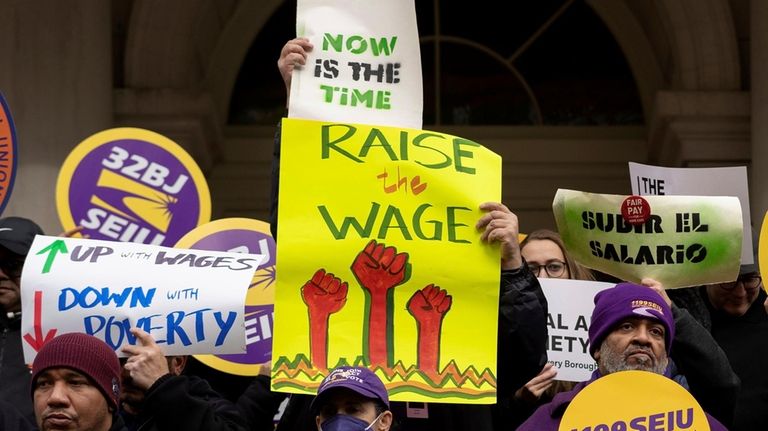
<point x="56" y="76"/>
<point x="758" y="182"/>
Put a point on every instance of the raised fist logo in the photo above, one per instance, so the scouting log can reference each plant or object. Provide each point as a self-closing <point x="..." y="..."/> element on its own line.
<point x="324" y="295"/>
<point x="429" y="306"/>
<point x="379" y="269"/>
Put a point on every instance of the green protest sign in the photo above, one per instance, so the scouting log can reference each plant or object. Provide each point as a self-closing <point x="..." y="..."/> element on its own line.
<point x="678" y="240"/>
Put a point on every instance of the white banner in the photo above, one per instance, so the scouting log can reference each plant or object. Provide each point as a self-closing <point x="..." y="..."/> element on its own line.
<point x="190" y="301"/>
<point x="570" y="304"/>
<point x="365" y="66"/>
<point x="730" y="181"/>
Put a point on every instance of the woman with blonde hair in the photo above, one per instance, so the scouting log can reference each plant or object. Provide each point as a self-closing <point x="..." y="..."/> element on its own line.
<point x="545" y="254"/>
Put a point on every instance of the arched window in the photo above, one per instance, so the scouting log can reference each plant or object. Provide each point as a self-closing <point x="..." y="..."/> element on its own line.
<point x="548" y="62"/>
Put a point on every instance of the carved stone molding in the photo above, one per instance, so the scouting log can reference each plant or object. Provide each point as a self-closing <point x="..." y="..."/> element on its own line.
<point x="700" y="129"/>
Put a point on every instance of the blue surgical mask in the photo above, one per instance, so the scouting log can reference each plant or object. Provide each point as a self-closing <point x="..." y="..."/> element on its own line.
<point x="347" y="423"/>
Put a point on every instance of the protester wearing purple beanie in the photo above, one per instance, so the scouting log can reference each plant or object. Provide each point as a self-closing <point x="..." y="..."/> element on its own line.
<point x="624" y="301"/>
<point x="632" y="328"/>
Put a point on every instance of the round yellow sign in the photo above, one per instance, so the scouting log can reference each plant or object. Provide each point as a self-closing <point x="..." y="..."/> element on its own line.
<point x="634" y="400"/>
<point x="762" y="251"/>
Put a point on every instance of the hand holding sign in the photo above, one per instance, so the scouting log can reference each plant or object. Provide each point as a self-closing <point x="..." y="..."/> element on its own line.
<point x="501" y="225"/>
<point x="191" y="301"/>
<point x="146" y="362"/>
<point x="293" y="54"/>
<point x="531" y="391"/>
<point x="658" y="288"/>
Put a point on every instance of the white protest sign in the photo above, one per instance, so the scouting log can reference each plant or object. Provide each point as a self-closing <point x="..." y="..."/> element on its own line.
<point x="730" y="181"/>
<point x="570" y="304"/>
<point x="190" y="301"/>
<point x="365" y="66"/>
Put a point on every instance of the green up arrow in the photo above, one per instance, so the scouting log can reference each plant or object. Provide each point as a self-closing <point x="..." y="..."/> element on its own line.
<point x="58" y="246"/>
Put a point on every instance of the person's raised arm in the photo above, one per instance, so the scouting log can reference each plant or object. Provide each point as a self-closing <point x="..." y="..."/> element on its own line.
<point x="522" y="335"/>
<point x="293" y="54"/>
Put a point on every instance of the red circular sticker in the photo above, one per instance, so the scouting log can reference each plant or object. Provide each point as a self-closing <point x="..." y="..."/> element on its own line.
<point x="635" y="210"/>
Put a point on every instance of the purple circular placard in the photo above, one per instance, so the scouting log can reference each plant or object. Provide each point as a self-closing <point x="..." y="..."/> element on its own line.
<point x="258" y="316"/>
<point x="115" y="203"/>
<point x="8" y="154"/>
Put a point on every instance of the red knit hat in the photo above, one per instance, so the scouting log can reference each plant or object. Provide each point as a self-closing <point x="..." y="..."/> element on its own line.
<point x="85" y="354"/>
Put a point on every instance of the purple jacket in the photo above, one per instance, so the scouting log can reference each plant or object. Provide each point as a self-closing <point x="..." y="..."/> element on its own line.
<point x="548" y="416"/>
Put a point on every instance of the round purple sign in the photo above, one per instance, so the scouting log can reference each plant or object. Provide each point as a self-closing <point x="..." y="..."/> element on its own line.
<point x="132" y="185"/>
<point x="240" y="235"/>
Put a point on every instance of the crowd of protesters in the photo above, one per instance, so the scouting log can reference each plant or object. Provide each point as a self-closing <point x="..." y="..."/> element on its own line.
<point x="719" y="333"/>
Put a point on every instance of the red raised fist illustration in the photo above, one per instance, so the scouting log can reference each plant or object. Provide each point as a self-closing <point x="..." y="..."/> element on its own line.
<point x="429" y="306"/>
<point x="324" y="295"/>
<point x="379" y="269"/>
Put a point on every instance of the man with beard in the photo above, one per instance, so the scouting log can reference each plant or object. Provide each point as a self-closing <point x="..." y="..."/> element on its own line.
<point x="157" y="396"/>
<point x="632" y="328"/>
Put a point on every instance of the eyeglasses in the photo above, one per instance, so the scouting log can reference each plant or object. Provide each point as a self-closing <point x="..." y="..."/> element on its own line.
<point x="12" y="267"/>
<point x="750" y="282"/>
<point x="553" y="268"/>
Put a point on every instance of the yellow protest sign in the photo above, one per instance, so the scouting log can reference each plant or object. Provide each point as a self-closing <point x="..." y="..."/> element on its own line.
<point x="762" y="251"/>
<point x="634" y="400"/>
<point x="380" y="264"/>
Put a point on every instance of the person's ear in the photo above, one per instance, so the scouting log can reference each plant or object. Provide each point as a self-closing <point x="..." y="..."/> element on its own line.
<point x="317" y="422"/>
<point x="385" y="422"/>
<point x="176" y="364"/>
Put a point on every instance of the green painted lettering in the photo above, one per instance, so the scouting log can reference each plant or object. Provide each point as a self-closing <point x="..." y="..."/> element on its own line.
<point x="382" y="101"/>
<point x="459" y="154"/>
<point x="452" y="225"/>
<point x="362" y="45"/>
<point x="393" y="212"/>
<point x="328" y="93"/>
<point x="364" y="98"/>
<point x="363" y="232"/>
<point x="381" y="46"/>
<point x="377" y="136"/>
<point x="403" y="145"/>
<point x="334" y="42"/>
<point x="437" y="234"/>
<point x="328" y="144"/>
<point x="417" y="142"/>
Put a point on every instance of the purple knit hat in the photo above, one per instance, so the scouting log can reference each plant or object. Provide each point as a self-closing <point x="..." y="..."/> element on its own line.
<point x="358" y="379"/>
<point x="628" y="300"/>
<point x="85" y="354"/>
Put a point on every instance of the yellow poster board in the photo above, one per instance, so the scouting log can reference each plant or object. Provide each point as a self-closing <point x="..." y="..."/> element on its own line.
<point x="380" y="263"/>
<point x="634" y="400"/>
<point x="762" y="250"/>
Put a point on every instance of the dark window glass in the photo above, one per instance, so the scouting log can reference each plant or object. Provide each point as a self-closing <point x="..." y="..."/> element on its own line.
<point x="572" y="73"/>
